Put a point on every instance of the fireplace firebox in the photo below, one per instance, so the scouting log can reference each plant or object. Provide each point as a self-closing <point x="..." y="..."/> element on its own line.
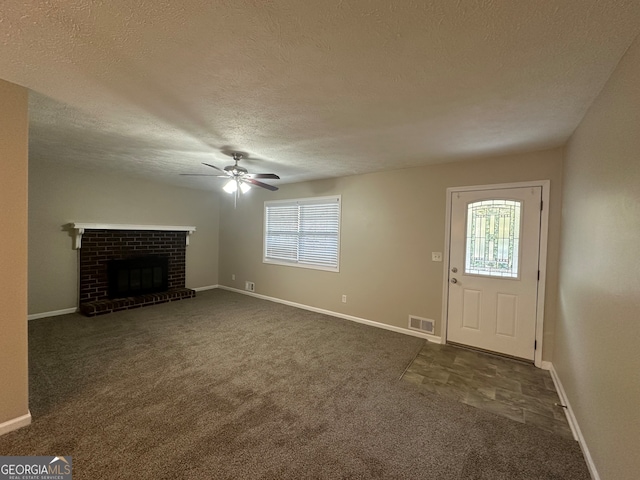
<point x="138" y="276"/>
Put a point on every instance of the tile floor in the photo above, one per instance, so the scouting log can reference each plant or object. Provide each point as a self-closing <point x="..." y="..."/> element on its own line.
<point x="513" y="389"/>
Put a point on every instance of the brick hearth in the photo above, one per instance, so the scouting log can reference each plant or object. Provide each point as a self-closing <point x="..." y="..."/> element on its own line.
<point x="100" y="246"/>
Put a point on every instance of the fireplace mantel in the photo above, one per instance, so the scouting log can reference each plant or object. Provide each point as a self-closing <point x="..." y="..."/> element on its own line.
<point x="79" y="228"/>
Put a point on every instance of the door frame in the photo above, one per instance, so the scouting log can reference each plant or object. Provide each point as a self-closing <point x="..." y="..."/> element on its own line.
<point x="542" y="258"/>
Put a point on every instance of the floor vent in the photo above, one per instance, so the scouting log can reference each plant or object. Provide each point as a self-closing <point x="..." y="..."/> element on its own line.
<point x="421" y="324"/>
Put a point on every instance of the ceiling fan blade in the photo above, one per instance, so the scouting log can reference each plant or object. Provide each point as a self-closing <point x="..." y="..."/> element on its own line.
<point x="199" y="175"/>
<point x="213" y="166"/>
<point x="260" y="184"/>
<point x="264" y="175"/>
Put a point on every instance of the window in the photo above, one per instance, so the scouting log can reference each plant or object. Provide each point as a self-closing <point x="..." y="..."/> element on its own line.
<point x="493" y="238"/>
<point x="303" y="232"/>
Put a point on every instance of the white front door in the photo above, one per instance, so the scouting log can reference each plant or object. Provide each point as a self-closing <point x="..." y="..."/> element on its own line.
<point x="493" y="269"/>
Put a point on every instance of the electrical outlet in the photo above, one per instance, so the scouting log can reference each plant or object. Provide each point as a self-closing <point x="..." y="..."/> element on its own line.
<point x="436" y="256"/>
<point x="344" y="299"/>
<point x="250" y="286"/>
<point x="233" y="276"/>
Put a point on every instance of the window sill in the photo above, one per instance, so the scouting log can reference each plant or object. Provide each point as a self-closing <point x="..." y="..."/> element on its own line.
<point x="301" y="265"/>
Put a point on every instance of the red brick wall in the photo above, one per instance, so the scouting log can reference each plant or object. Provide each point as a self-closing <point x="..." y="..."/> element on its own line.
<point x="99" y="246"/>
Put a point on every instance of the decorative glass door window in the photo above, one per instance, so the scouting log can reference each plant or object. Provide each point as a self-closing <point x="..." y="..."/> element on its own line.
<point x="493" y="238"/>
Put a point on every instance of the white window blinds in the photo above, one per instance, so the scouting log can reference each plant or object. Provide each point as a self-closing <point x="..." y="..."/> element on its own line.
<point x="303" y="232"/>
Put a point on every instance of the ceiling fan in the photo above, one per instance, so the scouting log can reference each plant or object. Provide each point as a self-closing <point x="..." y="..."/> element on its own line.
<point x="240" y="180"/>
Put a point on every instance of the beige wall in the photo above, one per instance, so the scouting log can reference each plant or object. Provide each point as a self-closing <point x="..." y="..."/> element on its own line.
<point x="13" y="254"/>
<point x="391" y="222"/>
<point x="59" y="195"/>
<point x="597" y="354"/>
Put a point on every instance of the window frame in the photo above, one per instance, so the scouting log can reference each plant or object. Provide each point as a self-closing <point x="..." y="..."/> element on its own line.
<point x="325" y="200"/>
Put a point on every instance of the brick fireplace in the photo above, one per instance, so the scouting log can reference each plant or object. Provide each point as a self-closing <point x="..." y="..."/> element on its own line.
<point x="100" y="244"/>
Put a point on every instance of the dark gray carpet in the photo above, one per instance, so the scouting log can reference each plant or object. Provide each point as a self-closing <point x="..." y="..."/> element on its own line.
<point x="229" y="386"/>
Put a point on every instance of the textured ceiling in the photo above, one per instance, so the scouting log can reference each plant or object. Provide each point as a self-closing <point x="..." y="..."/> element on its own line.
<point x="309" y="89"/>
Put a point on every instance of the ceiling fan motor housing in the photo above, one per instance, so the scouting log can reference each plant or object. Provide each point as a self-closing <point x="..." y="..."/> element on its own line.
<point x="235" y="170"/>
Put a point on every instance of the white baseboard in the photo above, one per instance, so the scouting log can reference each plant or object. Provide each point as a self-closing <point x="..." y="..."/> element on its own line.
<point x="15" y="423"/>
<point x="544" y="365"/>
<point x="406" y="331"/>
<point x="54" y="313"/>
<point x="573" y="423"/>
<point x="202" y="289"/>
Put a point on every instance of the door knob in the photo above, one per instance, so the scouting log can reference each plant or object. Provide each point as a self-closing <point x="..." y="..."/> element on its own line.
<point x="454" y="269"/>
<point x="454" y="280"/>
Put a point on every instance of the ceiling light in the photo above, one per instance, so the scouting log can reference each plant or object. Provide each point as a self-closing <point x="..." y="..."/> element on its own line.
<point x="245" y="187"/>
<point x="231" y="186"/>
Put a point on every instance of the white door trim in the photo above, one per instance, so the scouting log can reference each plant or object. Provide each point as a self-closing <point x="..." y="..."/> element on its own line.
<point x="542" y="260"/>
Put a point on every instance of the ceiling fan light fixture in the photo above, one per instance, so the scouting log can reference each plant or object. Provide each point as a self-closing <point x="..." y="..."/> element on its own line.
<point x="231" y="186"/>
<point x="244" y="187"/>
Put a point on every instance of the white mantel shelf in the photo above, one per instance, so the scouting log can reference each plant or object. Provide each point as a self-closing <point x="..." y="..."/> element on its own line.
<point x="79" y="228"/>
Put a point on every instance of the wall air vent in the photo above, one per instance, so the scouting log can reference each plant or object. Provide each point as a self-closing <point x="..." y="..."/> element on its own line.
<point x="424" y="325"/>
